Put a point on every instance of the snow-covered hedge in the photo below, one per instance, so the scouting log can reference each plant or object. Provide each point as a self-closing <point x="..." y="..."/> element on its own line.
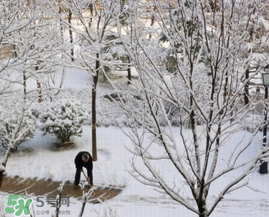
<point x="64" y="119"/>
<point x="16" y="128"/>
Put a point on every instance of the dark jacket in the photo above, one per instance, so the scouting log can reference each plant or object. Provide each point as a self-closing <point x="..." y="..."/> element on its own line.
<point x="80" y="163"/>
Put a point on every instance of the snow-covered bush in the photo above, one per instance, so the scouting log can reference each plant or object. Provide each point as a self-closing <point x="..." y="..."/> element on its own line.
<point x="63" y="119"/>
<point x="13" y="125"/>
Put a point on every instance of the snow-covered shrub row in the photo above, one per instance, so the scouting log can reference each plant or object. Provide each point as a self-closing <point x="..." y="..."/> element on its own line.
<point x="109" y="113"/>
<point x="252" y="119"/>
<point x="63" y="118"/>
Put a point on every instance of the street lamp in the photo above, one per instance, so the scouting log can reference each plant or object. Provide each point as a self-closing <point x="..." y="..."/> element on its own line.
<point x="265" y="81"/>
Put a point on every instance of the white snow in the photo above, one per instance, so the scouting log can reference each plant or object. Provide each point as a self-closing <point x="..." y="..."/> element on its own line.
<point x="38" y="158"/>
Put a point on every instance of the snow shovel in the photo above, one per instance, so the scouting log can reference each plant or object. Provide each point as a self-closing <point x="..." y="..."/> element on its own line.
<point x="89" y="182"/>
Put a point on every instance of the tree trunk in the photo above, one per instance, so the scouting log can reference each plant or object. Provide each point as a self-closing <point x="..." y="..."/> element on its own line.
<point x="4" y="164"/>
<point x="58" y="201"/>
<point x="1" y="177"/>
<point x="246" y="89"/>
<point x="71" y="34"/>
<point x="152" y="20"/>
<point x="264" y="164"/>
<point x="129" y="71"/>
<point x="94" y="88"/>
<point x="91" y="14"/>
<point x="39" y="92"/>
<point x="14" y="51"/>
<point x="38" y="88"/>
<point x="202" y="208"/>
<point x="82" y="209"/>
<point x="61" y="25"/>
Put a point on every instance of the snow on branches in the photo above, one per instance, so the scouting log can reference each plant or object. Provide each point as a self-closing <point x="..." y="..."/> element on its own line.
<point x="198" y="77"/>
<point x="9" y="124"/>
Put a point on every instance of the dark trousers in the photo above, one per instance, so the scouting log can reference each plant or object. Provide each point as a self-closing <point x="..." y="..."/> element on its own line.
<point x="77" y="176"/>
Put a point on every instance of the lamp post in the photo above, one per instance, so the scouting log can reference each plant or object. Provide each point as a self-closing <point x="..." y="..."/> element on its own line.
<point x="265" y="81"/>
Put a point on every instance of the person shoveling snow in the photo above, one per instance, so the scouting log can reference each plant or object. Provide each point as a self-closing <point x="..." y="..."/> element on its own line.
<point x="83" y="159"/>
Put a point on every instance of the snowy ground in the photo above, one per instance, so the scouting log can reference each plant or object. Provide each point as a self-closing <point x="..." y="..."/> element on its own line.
<point x="39" y="158"/>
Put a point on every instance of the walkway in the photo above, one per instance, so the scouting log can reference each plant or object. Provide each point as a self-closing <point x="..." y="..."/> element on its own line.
<point x="16" y="185"/>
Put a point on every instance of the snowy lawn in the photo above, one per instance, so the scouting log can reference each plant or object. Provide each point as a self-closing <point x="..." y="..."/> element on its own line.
<point x="40" y="158"/>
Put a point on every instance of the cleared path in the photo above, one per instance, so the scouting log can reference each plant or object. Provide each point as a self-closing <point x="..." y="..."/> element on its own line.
<point x="17" y="185"/>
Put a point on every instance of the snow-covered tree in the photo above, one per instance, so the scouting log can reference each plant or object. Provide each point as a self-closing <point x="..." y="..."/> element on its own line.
<point x="200" y="159"/>
<point x="13" y="18"/>
<point x="94" y="22"/>
<point x="9" y="124"/>
<point x="29" y="33"/>
<point x="63" y="119"/>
